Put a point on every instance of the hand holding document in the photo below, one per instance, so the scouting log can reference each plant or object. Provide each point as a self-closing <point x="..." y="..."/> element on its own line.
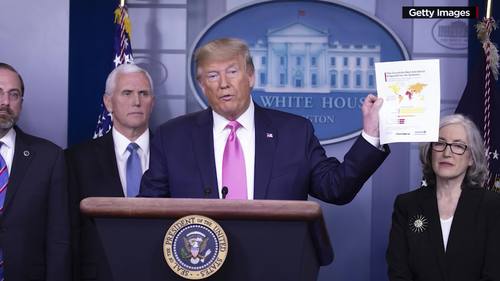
<point x="411" y="93"/>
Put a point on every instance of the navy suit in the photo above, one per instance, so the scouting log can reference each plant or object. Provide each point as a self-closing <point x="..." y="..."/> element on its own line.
<point x="93" y="172"/>
<point x="34" y="226"/>
<point x="473" y="249"/>
<point x="289" y="161"/>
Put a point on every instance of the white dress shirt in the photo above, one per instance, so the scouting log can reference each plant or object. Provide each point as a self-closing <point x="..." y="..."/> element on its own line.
<point x="246" y="136"/>
<point x="121" y="142"/>
<point x="7" y="149"/>
<point x="445" y="229"/>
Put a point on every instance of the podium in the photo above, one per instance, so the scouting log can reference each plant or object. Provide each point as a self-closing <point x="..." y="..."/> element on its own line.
<point x="268" y="239"/>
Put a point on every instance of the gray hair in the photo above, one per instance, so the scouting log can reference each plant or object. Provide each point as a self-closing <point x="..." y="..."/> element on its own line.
<point x="477" y="173"/>
<point x="223" y="49"/>
<point x="122" y="69"/>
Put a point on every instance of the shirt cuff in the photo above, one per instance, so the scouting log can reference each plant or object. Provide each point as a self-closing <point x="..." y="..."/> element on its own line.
<point x="372" y="140"/>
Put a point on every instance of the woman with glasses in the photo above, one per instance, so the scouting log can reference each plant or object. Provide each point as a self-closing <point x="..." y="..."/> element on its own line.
<point x="449" y="229"/>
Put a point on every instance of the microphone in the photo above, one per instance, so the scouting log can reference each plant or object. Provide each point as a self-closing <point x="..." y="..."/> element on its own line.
<point x="207" y="192"/>
<point x="225" y="191"/>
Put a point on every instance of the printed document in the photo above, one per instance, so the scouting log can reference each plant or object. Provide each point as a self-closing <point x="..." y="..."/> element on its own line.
<point x="411" y="93"/>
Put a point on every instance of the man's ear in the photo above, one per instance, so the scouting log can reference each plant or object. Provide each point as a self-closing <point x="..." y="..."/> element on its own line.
<point x="251" y="80"/>
<point x="153" y="104"/>
<point x="107" y="102"/>
<point x="200" y="84"/>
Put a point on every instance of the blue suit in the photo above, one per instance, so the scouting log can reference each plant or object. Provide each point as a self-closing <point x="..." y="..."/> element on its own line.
<point x="290" y="164"/>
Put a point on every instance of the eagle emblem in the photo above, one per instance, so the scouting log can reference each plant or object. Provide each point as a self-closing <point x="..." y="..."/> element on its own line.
<point x="195" y="247"/>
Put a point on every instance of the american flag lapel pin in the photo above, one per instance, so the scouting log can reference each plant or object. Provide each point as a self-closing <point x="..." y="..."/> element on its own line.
<point x="269" y="135"/>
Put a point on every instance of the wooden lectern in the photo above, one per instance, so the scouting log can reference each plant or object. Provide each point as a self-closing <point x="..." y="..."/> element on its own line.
<point x="268" y="239"/>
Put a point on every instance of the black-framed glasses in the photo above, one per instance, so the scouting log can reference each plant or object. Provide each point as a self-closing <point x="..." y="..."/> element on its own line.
<point x="456" y="147"/>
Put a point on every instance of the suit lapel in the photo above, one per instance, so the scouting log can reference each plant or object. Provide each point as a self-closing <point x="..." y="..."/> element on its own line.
<point x="106" y="157"/>
<point x="203" y="146"/>
<point x="463" y="218"/>
<point x="266" y="138"/>
<point x="23" y="155"/>
<point x="434" y="233"/>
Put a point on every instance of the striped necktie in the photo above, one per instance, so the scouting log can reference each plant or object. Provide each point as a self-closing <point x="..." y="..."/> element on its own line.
<point x="4" y="179"/>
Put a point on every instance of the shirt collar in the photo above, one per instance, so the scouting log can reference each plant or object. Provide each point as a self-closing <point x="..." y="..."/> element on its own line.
<point x="246" y="119"/>
<point x="9" y="139"/>
<point x="121" y="142"/>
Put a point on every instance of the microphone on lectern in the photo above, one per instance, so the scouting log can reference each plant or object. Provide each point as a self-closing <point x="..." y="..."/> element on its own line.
<point x="225" y="191"/>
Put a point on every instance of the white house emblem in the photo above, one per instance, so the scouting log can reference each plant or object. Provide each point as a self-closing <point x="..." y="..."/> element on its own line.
<point x="310" y="60"/>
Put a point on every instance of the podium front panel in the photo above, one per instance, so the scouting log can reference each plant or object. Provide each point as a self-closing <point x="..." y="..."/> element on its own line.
<point x="258" y="250"/>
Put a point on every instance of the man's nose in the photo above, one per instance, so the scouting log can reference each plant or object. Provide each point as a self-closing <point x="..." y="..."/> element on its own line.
<point x="136" y="99"/>
<point x="223" y="81"/>
<point x="4" y="98"/>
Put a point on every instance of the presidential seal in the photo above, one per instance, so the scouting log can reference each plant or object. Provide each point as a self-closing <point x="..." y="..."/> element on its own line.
<point x="195" y="247"/>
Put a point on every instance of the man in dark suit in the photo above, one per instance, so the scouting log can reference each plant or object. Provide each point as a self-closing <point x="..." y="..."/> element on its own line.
<point x="250" y="151"/>
<point x="101" y="167"/>
<point x="34" y="222"/>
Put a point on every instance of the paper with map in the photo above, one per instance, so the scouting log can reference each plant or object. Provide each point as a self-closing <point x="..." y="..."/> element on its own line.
<point x="411" y="93"/>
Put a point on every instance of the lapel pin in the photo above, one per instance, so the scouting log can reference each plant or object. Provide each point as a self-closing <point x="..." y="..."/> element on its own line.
<point x="418" y="224"/>
<point x="26" y="153"/>
<point x="269" y="135"/>
<point x="424" y="183"/>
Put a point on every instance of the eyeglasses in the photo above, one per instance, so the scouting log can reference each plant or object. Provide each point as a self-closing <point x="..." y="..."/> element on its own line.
<point x="455" y="147"/>
<point x="13" y="95"/>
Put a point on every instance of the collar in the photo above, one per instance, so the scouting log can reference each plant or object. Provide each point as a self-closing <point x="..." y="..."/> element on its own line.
<point x="9" y="139"/>
<point x="246" y="119"/>
<point x="121" y="142"/>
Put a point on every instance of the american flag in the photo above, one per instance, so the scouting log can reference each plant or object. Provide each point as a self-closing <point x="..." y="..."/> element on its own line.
<point x="122" y="50"/>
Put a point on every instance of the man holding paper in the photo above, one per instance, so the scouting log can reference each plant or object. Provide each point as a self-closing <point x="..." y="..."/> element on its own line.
<point x="250" y="151"/>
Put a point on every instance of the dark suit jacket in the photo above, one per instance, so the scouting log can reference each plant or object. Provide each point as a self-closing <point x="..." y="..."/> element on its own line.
<point x="93" y="172"/>
<point x="473" y="250"/>
<point x="34" y="227"/>
<point x="289" y="161"/>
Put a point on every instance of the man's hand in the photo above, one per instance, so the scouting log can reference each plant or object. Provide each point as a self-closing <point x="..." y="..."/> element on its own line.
<point x="370" y="108"/>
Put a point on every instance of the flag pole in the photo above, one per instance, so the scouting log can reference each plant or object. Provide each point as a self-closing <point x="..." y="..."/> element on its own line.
<point x="488" y="9"/>
<point x="122" y="3"/>
<point x="484" y="29"/>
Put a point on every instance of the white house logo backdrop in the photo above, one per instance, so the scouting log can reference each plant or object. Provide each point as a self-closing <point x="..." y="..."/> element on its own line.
<point x="312" y="58"/>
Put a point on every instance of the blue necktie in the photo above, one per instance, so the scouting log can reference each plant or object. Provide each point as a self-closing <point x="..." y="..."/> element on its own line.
<point x="4" y="179"/>
<point x="134" y="170"/>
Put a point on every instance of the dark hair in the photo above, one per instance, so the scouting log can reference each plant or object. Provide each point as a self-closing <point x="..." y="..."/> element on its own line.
<point x="7" y="66"/>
